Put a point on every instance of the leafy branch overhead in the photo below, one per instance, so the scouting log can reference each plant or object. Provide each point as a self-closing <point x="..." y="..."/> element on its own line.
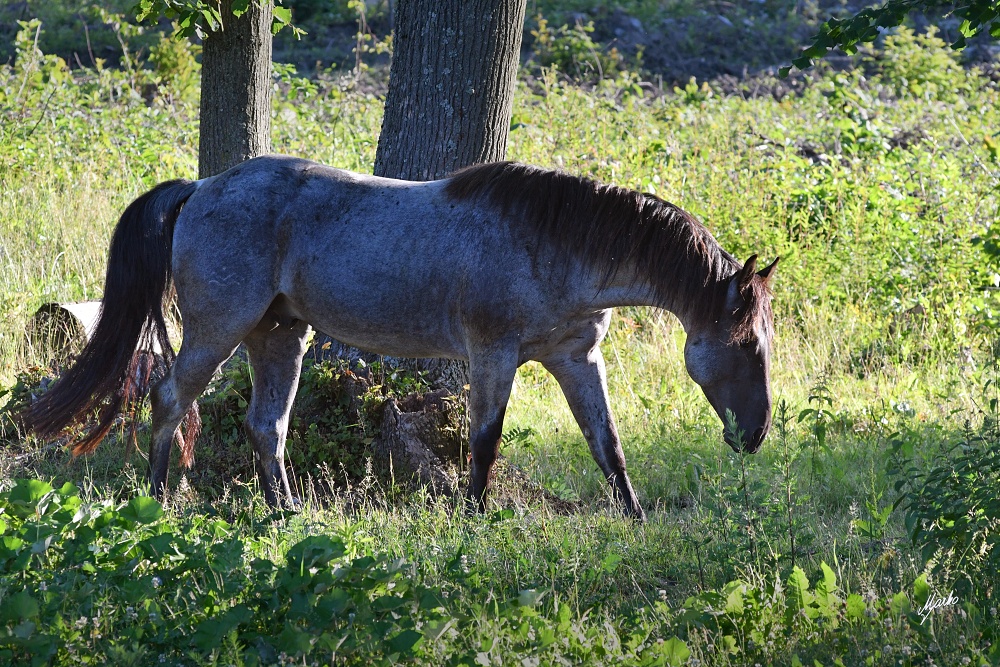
<point x="196" y="17"/>
<point x="866" y="25"/>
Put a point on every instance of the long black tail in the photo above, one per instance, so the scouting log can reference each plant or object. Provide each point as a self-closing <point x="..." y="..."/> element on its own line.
<point x="139" y="275"/>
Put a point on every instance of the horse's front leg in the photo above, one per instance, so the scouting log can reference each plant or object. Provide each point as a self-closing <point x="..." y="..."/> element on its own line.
<point x="491" y="374"/>
<point x="584" y="383"/>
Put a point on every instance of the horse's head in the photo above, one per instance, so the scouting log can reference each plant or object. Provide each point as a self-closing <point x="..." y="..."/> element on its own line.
<point x="729" y="356"/>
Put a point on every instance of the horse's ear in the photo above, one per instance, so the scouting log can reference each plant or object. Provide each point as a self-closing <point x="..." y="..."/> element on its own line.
<point x="746" y="273"/>
<point x="768" y="272"/>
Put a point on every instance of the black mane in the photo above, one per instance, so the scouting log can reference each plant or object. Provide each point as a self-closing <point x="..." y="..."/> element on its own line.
<point x="611" y="227"/>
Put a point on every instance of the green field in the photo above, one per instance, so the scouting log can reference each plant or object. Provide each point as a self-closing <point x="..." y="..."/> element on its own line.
<point x="876" y="492"/>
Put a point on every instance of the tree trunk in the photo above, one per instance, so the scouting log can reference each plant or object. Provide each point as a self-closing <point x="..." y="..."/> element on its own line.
<point x="451" y="86"/>
<point x="235" y="122"/>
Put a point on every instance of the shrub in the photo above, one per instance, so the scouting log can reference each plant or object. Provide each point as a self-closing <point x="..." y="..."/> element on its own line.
<point x="573" y="52"/>
<point x="952" y="509"/>
<point x="918" y="65"/>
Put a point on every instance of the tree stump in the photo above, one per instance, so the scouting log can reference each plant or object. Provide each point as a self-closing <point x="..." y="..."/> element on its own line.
<point x="422" y="439"/>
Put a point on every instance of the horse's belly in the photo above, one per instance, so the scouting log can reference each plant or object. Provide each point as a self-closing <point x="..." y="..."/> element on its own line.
<point x="407" y="343"/>
<point x="383" y="321"/>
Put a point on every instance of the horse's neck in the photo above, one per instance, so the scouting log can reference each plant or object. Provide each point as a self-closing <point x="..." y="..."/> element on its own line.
<point x="629" y="287"/>
<point x="625" y="289"/>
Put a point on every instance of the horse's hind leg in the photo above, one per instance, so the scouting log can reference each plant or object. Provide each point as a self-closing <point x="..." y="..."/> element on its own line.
<point x="173" y="397"/>
<point x="276" y="356"/>
<point x="491" y="374"/>
<point x="584" y="383"/>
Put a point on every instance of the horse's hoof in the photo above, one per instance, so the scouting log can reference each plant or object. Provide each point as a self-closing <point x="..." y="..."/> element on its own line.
<point x="473" y="507"/>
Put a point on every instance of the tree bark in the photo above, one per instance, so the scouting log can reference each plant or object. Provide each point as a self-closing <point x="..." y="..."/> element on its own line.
<point x="451" y="87"/>
<point x="235" y="122"/>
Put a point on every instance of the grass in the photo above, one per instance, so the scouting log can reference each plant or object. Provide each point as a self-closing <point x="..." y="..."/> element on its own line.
<point x="873" y="191"/>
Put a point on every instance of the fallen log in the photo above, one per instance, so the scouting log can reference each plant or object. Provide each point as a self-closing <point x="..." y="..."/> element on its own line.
<point x="59" y="331"/>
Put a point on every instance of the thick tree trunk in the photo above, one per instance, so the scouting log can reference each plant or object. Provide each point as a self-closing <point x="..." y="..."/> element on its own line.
<point x="451" y="86"/>
<point x="236" y="89"/>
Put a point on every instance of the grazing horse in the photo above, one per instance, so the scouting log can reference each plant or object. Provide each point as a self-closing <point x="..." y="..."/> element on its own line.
<point x="497" y="264"/>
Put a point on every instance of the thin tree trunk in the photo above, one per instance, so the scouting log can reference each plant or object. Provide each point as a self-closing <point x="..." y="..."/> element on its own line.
<point x="451" y="86"/>
<point x="235" y="122"/>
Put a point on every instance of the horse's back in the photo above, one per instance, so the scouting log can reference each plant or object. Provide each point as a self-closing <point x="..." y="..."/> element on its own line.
<point x="392" y="266"/>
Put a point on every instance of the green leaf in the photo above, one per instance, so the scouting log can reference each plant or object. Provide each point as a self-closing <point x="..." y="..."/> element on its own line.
<point x="26" y="496"/>
<point x="157" y="546"/>
<point x="921" y="591"/>
<point x="829" y="578"/>
<point x="430" y="600"/>
<point x="315" y="551"/>
<point x="529" y="597"/>
<point x="434" y="629"/>
<point x="18" y="607"/>
<point x="405" y="641"/>
<point x="734" y="598"/>
<point x="501" y="516"/>
<point x="211" y="632"/>
<point x="24" y="630"/>
<point x="69" y="489"/>
<point x="900" y="605"/>
<point x="240" y="7"/>
<point x="610" y="562"/>
<point x="294" y="641"/>
<point x="387" y="603"/>
<point x="675" y="651"/>
<point x="798" y="590"/>
<point x="856" y="607"/>
<point x="546" y="636"/>
<point x="142" y="509"/>
<point x="282" y="15"/>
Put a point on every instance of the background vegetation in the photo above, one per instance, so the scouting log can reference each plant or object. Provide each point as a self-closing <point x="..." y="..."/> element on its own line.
<point x="878" y="185"/>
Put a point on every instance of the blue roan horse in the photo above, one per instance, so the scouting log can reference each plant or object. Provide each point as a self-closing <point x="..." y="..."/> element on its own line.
<point x="498" y="264"/>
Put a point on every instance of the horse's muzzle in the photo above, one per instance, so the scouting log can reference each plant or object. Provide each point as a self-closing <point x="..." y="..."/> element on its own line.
<point x="752" y="444"/>
<point x="757" y="439"/>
